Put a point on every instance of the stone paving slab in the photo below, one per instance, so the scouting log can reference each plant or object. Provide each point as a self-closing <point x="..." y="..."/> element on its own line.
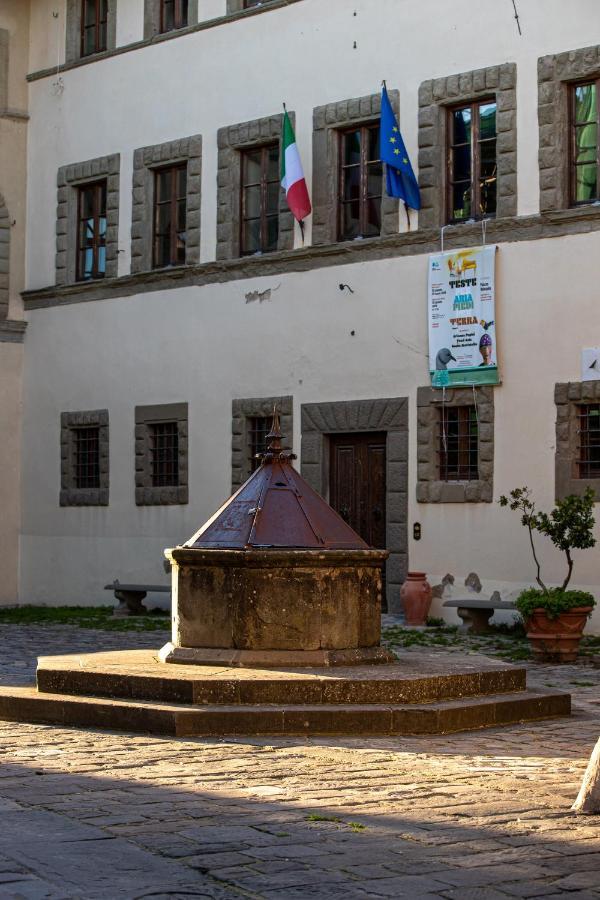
<point x="480" y="815"/>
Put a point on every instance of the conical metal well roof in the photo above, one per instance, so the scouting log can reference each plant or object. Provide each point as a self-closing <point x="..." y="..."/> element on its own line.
<point x="276" y="509"/>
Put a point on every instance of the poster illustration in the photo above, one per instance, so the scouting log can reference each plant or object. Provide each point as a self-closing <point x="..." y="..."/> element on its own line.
<point x="462" y="330"/>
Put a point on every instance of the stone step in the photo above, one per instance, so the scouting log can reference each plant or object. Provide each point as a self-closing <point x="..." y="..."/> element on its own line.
<point x="138" y="675"/>
<point x="26" y="704"/>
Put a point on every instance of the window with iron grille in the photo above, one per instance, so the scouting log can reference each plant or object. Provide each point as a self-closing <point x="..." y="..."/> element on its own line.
<point x="588" y="463"/>
<point x="161" y="454"/>
<point x="94" y="20"/>
<point x="91" y="231"/>
<point x="170" y="195"/>
<point x="584" y="144"/>
<point x="173" y="14"/>
<point x="458" y="444"/>
<point x="87" y="457"/>
<point x="360" y="187"/>
<point x="472" y="164"/>
<point x="84" y="458"/>
<point x="164" y="451"/>
<point x="259" y="197"/>
<point x="258" y="429"/>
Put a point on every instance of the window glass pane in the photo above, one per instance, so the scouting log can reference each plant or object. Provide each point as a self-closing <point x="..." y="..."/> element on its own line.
<point x="374" y="176"/>
<point x="487" y="120"/>
<point x="373" y="148"/>
<point x="487" y="158"/>
<point x="101" y="37"/>
<point x="273" y="163"/>
<point x="461" y="133"/>
<point x="102" y="228"/>
<point x="586" y="142"/>
<point x="163" y="185"/>
<point x="351" y="148"/>
<point x="461" y="168"/>
<point x="103" y="9"/>
<point x="373" y="217"/>
<point x="89" y="41"/>
<point x="163" y="218"/>
<point x="585" y="103"/>
<point x="181" y="215"/>
<point x="89" y="12"/>
<point x="87" y="202"/>
<point x="88" y="261"/>
<point x="272" y="232"/>
<point x="252" y="202"/>
<point x="251" y="236"/>
<point x="252" y="166"/>
<point x="350" y="224"/>
<point x="461" y="201"/>
<point x="101" y="260"/>
<point x="183" y="16"/>
<point x="351" y="183"/>
<point x="487" y="192"/>
<point x="180" y="249"/>
<point x="586" y="183"/>
<point x="162" y="250"/>
<point x="273" y="190"/>
<point x="168" y="15"/>
<point x="181" y="182"/>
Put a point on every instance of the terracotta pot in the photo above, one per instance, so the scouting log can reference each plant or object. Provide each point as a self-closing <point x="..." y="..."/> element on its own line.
<point x="415" y="594"/>
<point x="556" y="640"/>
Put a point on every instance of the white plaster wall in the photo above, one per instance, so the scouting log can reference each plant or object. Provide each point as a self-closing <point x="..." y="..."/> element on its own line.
<point x="212" y="346"/>
<point x="11" y="366"/>
<point x="302" y="54"/>
<point x="207" y="346"/>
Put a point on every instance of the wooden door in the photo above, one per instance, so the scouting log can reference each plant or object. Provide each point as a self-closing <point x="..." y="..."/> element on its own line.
<point x="357" y="483"/>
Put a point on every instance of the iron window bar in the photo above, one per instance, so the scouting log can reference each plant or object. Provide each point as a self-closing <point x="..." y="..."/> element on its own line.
<point x="458" y="443"/>
<point x="87" y="457"/>
<point x="164" y="454"/>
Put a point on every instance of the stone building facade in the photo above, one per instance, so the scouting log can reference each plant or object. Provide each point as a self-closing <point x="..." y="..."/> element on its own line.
<point x="171" y="298"/>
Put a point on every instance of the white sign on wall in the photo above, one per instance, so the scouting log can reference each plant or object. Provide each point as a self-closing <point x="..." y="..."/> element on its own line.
<point x="462" y="330"/>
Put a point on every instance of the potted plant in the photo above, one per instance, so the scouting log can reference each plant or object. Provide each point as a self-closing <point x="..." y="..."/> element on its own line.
<point x="555" y="617"/>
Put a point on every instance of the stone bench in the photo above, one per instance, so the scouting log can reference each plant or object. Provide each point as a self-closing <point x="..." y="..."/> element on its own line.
<point x="476" y="614"/>
<point x="130" y="596"/>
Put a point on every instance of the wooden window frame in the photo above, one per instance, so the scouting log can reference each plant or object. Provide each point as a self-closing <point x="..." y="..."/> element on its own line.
<point x="173" y="201"/>
<point x="264" y="183"/>
<point x="464" y="417"/>
<point x="572" y="86"/>
<point x="474" y="106"/>
<point x="98" y="48"/>
<point x="98" y="240"/>
<point x="364" y="129"/>
<point x="178" y="15"/>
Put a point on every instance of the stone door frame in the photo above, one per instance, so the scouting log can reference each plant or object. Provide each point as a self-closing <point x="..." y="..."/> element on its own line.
<point x="390" y="415"/>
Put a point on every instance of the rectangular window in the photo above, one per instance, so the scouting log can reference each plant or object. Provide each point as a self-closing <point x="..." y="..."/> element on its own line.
<point x="170" y="188"/>
<point x="458" y="443"/>
<point x="173" y="14"/>
<point x="94" y="17"/>
<point x="585" y="147"/>
<point x="87" y="457"/>
<point x="91" y="231"/>
<point x="589" y="441"/>
<point x="472" y="165"/>
<point x="259" y="196"/>
<point x="164" y="454"/>
<point x="258" y="429"/>
<point x="359" y="208"/>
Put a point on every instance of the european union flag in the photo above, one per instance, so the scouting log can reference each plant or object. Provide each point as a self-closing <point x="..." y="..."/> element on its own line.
<point x="400" y="178"/>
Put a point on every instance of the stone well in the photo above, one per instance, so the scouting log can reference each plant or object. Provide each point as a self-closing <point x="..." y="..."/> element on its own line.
<point x="276" y="577"/>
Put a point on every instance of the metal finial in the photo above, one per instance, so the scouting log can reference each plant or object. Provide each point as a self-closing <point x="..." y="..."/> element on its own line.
<point x="274" y="436"/>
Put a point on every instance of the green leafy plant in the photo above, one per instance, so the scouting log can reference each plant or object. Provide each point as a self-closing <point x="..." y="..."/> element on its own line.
<point x="569" y="526"/>
<point x="554" y="601"/>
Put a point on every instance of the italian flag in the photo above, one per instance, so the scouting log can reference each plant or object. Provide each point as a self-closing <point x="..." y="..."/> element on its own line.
<point x="292" y="176"/>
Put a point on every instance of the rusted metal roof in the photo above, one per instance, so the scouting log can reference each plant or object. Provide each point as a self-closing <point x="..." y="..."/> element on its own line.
<point x="276" y="508"/>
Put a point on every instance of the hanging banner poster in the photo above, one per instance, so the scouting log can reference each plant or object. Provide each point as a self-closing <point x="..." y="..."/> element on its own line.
<point x="462" y="333"/>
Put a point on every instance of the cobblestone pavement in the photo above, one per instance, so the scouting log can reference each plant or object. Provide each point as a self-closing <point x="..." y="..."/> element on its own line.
<point x="484" y="815"/>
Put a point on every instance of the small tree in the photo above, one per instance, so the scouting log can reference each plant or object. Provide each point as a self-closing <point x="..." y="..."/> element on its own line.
<point x="569" y="525"/>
